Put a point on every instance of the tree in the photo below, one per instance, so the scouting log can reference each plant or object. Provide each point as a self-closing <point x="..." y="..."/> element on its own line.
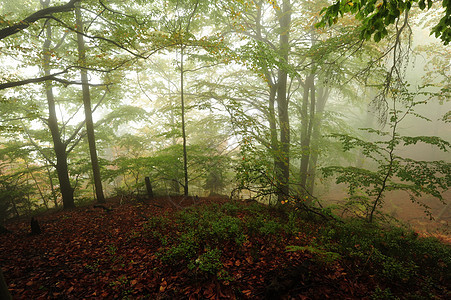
<point x="310" y="64"/>
<point x="63" y="147"/>
<point x="87" y="108"/>
<point x="59" y="146"/>
<point x="376" y="16"/>
<point x="4" y="292"/>
<point x="394" y="172"/>
<point x="45" y="13"/>
<point x="178" y="34"/>
<point x="268" y="51"/>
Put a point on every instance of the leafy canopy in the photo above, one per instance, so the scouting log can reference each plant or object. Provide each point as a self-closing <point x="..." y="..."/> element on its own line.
<point x="376" y="15"/>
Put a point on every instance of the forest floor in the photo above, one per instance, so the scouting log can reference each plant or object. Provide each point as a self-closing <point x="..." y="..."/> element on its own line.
<point x="213" y="248"/>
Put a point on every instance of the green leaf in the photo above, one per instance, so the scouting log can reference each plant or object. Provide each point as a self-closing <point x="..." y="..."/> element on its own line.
<point x="421" y="4"/>
<point x="377" y="36"/>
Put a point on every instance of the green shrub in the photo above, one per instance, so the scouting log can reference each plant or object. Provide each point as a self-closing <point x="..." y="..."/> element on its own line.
<point x="261" y="224"/>
<point x="213" y="226"/>
<point x="208" y="262"/>
<point x="394" y="253"/>
<point x="231" y="208"/>
<point x="323" y="256"/>
<point x="383" y="294"/>
<point x="184" y="249"/>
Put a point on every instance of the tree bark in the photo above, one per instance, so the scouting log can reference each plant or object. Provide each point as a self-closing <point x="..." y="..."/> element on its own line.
<point x="148" y="187"/>
<point x="52" y="187"/>
<point x="273" y="128"/>
<point x="323" y="96"/>
<point x="4" y="292"/>
<point x="87" y="108"/>
<point x="67" y="192"/>
<point x="308" y="117"/>
<point x="283" y="155"/>
<point x="182" y="99"/>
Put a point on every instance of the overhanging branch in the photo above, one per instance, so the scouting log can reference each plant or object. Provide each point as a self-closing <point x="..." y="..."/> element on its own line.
<point x="40" y="14"/>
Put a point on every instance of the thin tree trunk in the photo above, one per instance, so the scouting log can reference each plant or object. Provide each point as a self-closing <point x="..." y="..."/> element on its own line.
<point x="52" y="187"/>
<point x="274" y="142"/>
<point x="37" y="186"/>
<point x="174" y="183"/>
<point x="306" y="129"/>
<point x="4" y="292"/>
<point x="316" y="135"/>
<point x="283" y="155"/>
<point x="182" y="99"/>
<point x="87" y="109"/>
<point x="67" y="192"/>
<point x="273" y="127"/>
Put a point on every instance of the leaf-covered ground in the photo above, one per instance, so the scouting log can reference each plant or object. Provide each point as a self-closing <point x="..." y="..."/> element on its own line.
<point x="159" y="250"/>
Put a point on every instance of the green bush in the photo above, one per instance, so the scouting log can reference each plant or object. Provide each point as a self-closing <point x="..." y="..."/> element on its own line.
<point x="263" y="224"/>
<point x="185" y="248"/>
<point x="393" y="252"/>
<point x="208" y="262"/>
<point x="231" y="208"/>
<point x="199" y="227"/>
<point x="213" y="226"/>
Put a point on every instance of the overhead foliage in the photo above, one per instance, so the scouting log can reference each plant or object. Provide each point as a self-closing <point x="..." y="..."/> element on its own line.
<point x="376" y="15"/>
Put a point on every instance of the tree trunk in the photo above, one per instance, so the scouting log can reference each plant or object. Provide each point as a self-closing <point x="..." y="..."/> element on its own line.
<point x="87" y="108"/>
<point x="67" y="192"/>
<point x="4" y="292"/>
<point x="283" y="155"/>
<point x="182" y="99"/>
<point x="306" y="129"/>
<point x="273" y="126"/>
<point x="323" y="96"/>
<point x="52" y="187"/>
<point x="148" y="187"/>
<point x="174" y="183"/>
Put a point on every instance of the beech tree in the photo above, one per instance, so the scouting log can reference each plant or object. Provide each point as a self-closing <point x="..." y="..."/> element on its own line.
<point x="87" y="107"/>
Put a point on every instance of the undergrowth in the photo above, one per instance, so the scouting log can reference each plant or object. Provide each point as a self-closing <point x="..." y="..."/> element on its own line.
<point x="391" y="257"/>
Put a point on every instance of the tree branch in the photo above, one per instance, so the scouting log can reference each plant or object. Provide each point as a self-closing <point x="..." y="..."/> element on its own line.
<point x="40" y="14"/>
<point x="44" y="78"/>
<point x="32" y="80"/>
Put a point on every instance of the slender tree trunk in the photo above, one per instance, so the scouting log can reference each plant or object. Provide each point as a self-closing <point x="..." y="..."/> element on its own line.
<point x="323" y="96"/>
<point x="87" y="109"/>
<point x="306" y="129"/>
<point x="174" y="183"/>
<point x="52" y="187"/>
<point x="273" y="127"/>
<point x="38" y="187"/>
<point x="67" y="192"/>
<point x="272" y="118"/>
<point x="182" y="99"/>
<point x="369" y="120"/>
<point x="4" y="292"/>
<point x="283" y="155"/>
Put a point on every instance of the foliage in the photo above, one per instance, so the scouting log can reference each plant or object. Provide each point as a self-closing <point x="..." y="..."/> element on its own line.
<point x="376" y="16"/>
<point x="393" y="253"/>
<point x="14" y="197"/>
<point x="327" y="257"/>
<point x="146" y="251"/>
<point x="393" y="172"/>
<point x="254" y="171"/>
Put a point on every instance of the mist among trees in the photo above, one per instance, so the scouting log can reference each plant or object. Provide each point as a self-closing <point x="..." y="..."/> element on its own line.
<point x="203" y="128"/>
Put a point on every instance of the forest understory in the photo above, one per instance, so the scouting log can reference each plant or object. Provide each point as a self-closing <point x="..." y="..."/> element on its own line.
<point x="216" y="248"/>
